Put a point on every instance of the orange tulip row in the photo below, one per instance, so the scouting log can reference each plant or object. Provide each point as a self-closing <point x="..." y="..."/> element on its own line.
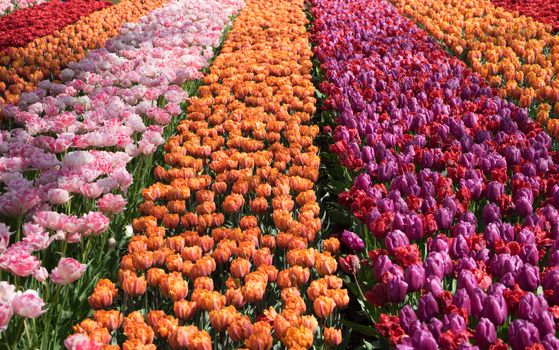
<point x="516" y="54"/>
<point x="232" y="227"/>
<point x="22" y="68"/>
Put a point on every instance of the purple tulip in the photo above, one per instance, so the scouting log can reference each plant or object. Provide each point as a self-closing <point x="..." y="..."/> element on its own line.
<point x="469" y="217"/>
<point x="443" y="217"/>
<point x="423" y="340"/>
<point x="550" y="342"/>
<point x="414" y="277"/>
<point x="523" y="206"/>
<point x="396" y="289"/>
<point x="395" y="239"/>
<point x="495" y="309"/>
<point x="491" y="213"/>
<point x="477" y="297"/>
<point x="459" y="247"/>
<point x="464" y="228"/>
<point x="545" y="323"/>
<point x="485" y="333"/>
<point x="438" y="244"/>
<point x="494" y="191"/>
<point x="467" y="281"/>
<point x="530" y="255"/>
<point x="531" y="306"/>
<point x="427" y="307"/>
<point x="434" y="285"/>
<point x="435" y="326"/>
<point x="352" y="240"/>
<point x="522" y="334"/>
<point x="462" y="299"/>
<point x="526" y="236"/>
<point x="529" y="277"/>
<point x="407" y="317"/>
<point x="382" y="265"/>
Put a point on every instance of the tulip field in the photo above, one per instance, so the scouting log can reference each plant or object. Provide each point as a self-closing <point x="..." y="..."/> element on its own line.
<point x="279" y="174"/>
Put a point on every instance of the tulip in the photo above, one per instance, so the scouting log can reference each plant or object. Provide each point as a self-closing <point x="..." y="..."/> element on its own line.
<point x="427" y="307"/>
<point x="407" y="317"/>
<point x="352" y="241"/>
<point x="396" y="289"/>
<point x="485" y="333"/>
<point x="529" y="277"/>
<point x="395" y="239"/>
<point x="495" y="309"/>
<point x="332" y="336"/>
<point x="522" y="334"/>
<point x="6" y="313"/>
<point x="424" y="340"/>
<point x="414" y="277"/>
<point x="350" y="264"/>
<point x="28" y="304"/>
<point x="68" y="271"/>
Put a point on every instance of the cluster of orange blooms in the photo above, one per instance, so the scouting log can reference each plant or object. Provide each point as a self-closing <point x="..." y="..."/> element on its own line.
<point x="233" y="226"/>
<point x="22" y="68"/>
<point x="516" y="54"/>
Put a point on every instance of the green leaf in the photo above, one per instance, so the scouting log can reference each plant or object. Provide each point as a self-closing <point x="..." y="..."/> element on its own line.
<point x="365" y="330"/>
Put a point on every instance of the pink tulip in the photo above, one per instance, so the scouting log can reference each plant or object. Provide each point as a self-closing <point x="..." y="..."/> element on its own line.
<point x="95" y="223"/>
<point x="79" y="341"/>
<point x="111" y="204"/>
<point x="41" y="274"/>
<point x="28" y="304"/>
<point x="18" y="260"/>
<point x="58" y="196"/>
<point x="6" y="313"/>
<point x="78" y="159"/>
<point x="91" y="190"/>
<point x="7" y="292"/>
<point x="4" y="237"/>
<point x="36" y="236"/>
<point x="68" y="271"/>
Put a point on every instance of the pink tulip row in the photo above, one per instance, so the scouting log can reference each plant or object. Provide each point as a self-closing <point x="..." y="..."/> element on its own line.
<point x="8" y="6"/>
<point x="75" y="140"/>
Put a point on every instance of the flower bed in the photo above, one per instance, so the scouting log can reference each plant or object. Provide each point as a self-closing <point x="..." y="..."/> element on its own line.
<point x="456" y="188"/>
<point x="228" y="248"/>
<point x="8" y="6"/>
<point x="66" y="170"/>
<point x="21" y="27"/>
<point x="515" y="54"/>
<point x="544" y="11"/>
<point x="22" y="68"/>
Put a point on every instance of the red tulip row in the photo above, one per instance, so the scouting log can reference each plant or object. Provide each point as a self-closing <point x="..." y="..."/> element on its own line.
<point x="545" y="11"/>
<point x="21" y="27"/>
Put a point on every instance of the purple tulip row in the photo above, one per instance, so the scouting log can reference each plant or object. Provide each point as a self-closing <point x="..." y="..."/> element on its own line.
<point x="457" y="188"/>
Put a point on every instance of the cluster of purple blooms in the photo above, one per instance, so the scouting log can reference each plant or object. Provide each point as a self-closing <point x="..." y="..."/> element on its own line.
<point x="457" y="186"/>
<point x="75" y="140"/>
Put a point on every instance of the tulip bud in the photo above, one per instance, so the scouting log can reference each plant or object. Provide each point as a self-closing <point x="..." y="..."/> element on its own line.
<point x="495" y="309"/>
<point x="350" y="264"/>
<point x="485" y="333"/>
<point x="414" y="277"/>
<point x="352" y="240"/>
<point x="522" y="334"/>
<point x="427" y="307"/>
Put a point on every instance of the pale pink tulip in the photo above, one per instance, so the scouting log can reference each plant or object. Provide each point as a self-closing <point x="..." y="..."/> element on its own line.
<point x="28" y="304"/>
<point x="5" y="234"/>
<point x="79" y="341"/>
<point x="18" y="260"/>
<point x="41" y="274"/>
<point x="68" y="271"/>
<point x="111" y="204"/>
<point x="6" y="313"/>
<point x="58" y="196"/>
